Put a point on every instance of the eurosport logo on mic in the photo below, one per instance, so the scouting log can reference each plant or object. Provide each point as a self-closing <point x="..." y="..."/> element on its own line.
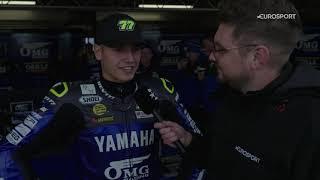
<point x="276" y="16"/>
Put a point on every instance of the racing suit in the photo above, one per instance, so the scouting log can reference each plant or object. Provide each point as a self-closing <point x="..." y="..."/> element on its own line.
<point x="108" y="134"/>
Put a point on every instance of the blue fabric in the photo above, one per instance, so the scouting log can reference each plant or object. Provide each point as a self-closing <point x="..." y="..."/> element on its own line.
<point x="125" y="146"/>
<point x="9" y="170"/>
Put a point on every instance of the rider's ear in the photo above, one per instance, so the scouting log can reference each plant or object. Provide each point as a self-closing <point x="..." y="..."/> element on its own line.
<point x="97" y="49"/>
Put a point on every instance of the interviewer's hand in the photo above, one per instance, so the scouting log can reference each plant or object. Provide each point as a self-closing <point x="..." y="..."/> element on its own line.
<point x="171" y="132"/>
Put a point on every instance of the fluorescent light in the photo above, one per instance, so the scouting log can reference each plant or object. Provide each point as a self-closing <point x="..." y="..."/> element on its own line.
<point x="17" y="2"/>
<point x="165" y="6"/>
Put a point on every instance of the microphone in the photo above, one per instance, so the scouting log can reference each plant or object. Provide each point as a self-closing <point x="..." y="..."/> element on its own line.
<point x="161" y="109"/>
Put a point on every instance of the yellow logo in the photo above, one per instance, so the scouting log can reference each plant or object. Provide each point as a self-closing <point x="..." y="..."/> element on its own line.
<point x="61" y="92"/>
<point x="167" y="85"/>
<point x="104" y="119"/>
<point x="99" y="109"/>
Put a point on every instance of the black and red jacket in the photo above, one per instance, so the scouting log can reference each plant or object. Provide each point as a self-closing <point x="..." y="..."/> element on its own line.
<point x="272" y="134"/>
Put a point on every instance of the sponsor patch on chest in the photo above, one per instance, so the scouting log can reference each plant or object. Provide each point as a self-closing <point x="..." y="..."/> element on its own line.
<point x="90" y="99"/>
<point x="120" y="141"/>
<point x="103" y="120"/>
<point x="142" y="115"/>
<point x="88" y="89"/>
<point x="99" y="109"/>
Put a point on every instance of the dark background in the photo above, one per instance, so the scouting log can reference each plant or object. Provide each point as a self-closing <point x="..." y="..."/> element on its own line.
<point x="49" y="42"/>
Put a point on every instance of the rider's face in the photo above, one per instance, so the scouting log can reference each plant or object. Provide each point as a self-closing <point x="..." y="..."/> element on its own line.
<point x="118" y="64"/>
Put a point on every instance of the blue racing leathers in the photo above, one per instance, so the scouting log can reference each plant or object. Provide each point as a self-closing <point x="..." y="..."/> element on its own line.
<point x="9" y="169"/>
<point x="100" y="123"/>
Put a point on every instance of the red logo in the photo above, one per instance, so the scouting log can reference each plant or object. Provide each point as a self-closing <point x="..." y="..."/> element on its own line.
<point x="281" y="106"/>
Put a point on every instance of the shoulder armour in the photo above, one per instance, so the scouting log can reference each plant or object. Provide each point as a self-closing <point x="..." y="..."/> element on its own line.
<point x="60" y="89"/>
<point x="167" y="85"/>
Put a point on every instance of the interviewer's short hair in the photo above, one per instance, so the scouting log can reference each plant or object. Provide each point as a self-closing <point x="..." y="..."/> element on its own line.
<point x="278" y="34"/>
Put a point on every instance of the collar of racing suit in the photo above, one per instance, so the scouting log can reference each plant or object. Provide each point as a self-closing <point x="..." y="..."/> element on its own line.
<point x="119" y="90"/>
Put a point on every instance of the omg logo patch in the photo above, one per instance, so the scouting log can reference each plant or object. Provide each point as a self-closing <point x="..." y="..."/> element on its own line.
<point x="122" y="169"/>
